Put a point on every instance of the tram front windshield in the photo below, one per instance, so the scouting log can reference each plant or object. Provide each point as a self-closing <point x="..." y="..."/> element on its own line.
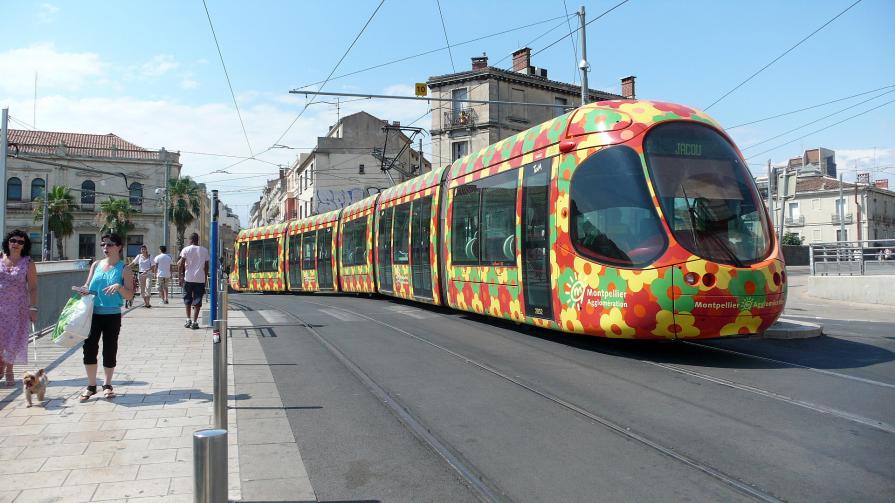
<point x="707" y="194"/>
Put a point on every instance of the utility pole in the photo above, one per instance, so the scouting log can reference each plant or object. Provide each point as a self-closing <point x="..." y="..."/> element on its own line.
<point x="45" y="245"/>
<point x="770" y="193"/>
<point x="841" y="212"/>
<point x="421" y="154"/>
<point x="782" y="185"/>
<point x="213" y="269"/>
<point x="166" y="200"/>
<point x="583" y="66"/>
<point x="4" y="146"/>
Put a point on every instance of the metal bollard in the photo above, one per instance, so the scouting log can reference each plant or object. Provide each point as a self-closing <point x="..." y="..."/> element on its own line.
<point x="219" y="375"/>
<point x="223" y="302"/>
<point x="210" y="483"/>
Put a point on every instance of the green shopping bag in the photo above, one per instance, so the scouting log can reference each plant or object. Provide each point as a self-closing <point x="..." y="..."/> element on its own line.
<point x="74" y="321"/>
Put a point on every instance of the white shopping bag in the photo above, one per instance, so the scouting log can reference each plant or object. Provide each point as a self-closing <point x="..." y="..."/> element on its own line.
<point x="74" y="321"/>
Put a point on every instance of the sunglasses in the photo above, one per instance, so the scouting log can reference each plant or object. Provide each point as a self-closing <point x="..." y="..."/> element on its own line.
<point x="17" y="242"/>
<point x="108" y="244"/>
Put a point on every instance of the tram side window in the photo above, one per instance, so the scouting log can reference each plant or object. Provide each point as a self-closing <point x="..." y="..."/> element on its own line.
<point x="354" y="242"/>
<point x="465" y="225"/>
<point x="309" y="251"/>
<point x="401" y="235"/>
<point x="499" y="218"/>
<point x="263" y="256"/>
<point x="483" y="229"/>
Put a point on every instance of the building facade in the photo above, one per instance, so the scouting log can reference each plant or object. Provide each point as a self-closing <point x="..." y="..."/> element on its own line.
<point x="347" y="165"/>
<point x="460" y="128"/>
<point x="94" y="168"/>
<point x="867" y="212"/>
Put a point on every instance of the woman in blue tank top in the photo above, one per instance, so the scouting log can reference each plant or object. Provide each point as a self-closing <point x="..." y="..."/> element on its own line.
<point x="111" y="287"/>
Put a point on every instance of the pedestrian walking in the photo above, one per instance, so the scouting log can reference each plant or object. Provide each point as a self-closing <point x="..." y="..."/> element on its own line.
<point x="162" y="269"/>
<point x="143" y="262"/>
<point x="18" y="301"/>
<point x="193" y="267"/>
<point x="111" y="285"/>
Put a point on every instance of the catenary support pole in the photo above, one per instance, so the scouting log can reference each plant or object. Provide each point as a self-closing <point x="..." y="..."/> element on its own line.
<point x="770" y="191"/>
<point x="4" y="151"/>
<point x="214" y="257"/>
<point x="210" y="483"/>
<point x="583" y="66"/>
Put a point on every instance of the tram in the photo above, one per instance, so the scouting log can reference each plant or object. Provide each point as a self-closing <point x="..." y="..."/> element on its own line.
<point x="624" y="219"/>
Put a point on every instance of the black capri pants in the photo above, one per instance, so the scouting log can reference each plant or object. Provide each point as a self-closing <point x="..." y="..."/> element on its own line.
<point x="108" y="326"/>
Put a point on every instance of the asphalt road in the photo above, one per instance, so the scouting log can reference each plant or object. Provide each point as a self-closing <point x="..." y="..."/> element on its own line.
<point x="393" y="401"/>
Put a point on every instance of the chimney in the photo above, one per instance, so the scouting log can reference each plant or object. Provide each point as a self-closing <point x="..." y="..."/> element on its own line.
<point x="282" y="173"/>
<point x="396" y="123"/>
<point x="480" y="62"/>
<point x="628" y="87"/>
<point x="522" y="60"/>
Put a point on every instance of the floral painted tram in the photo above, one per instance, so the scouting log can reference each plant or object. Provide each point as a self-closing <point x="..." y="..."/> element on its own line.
<point x="629" y="219"/>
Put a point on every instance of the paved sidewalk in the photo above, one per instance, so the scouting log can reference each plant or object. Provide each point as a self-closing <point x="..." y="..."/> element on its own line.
<point x="136" y="447"/>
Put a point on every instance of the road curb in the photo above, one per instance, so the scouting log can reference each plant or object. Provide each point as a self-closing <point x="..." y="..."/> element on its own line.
<point x="785" y="328"/>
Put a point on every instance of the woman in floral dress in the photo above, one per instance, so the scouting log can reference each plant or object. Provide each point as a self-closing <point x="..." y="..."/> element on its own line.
<point x="18" y="301"/>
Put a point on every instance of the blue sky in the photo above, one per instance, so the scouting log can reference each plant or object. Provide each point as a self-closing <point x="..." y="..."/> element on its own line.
<point x="150" y="73"/>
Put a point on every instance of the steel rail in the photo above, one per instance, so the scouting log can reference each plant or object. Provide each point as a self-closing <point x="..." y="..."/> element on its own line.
<point x="611" y="425"/>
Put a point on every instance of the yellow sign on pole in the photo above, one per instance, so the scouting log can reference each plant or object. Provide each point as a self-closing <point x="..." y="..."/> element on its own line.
<point x="421" y="89"/>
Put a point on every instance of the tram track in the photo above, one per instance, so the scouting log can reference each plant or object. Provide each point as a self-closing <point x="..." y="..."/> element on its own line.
<point x="465" y="469"/>
<point x="819" y="408"/>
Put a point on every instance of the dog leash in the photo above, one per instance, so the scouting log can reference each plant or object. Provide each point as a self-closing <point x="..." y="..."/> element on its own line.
<point x="33" y="330"/>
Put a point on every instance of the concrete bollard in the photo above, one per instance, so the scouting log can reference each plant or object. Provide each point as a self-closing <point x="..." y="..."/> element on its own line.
<point x="210" y="483"/>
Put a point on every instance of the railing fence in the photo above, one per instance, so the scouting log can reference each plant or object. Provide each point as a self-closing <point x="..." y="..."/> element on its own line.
<point x="853" y="258"/>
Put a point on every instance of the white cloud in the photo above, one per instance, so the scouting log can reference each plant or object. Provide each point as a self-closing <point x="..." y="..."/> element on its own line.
<point x="158" y="66"/>
<point x="56" y="70"/>
<point x="47" y="13"/>
<point x="189" y="83"/>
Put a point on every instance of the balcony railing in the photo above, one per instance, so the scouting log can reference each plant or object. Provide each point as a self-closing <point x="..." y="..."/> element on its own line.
<point x="795" y="221"/>
<point x="836" y="219"/>
<point x="464" y="117"/>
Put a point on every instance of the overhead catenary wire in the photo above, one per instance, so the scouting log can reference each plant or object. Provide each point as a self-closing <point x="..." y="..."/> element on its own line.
<point x="444" y="30"/>
<point x="821" y="129"/>
<point x="227" y="76"/>
<point x="816" y="120"/>
<point x="431" y="51"/>
<point x="572" y="40"/>
<point x="784" y="114"/>
<point x="336" y="67"/>
<point x="741" y="84"/>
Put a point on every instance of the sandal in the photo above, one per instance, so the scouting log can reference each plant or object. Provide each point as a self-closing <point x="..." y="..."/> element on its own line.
<point x="88" y="392"/>
<point x="108" y="392"/>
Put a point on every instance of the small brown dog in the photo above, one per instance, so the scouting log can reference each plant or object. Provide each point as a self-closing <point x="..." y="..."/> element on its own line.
<point x="35" y="384"/>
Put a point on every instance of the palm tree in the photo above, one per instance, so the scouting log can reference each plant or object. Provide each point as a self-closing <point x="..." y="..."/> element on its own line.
<point x="115" y="217"/>
<point x="61" y="221"/>
<point x="184" y="205"/>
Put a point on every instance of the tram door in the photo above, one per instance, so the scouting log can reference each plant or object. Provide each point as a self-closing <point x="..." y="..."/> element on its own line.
<point x="308" y="251"/>
<point x="295" y="262"/>
<point x="384" y="248"/>
<point x="536" y="240"/>
<point x="324" y="258"/>
<point x="420" y="264"/>
<point x="243" y="265"/>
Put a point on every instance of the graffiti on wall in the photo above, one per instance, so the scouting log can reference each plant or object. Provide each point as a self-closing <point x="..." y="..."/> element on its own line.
<point x="333" y="199"/>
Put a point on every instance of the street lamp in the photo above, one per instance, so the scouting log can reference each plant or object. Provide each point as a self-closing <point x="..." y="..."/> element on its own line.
<point x="164" y="190"/>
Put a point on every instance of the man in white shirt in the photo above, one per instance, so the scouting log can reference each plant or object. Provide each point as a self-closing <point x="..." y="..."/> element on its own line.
<point x="162" y="268"/>
<point x="193" y="266"/>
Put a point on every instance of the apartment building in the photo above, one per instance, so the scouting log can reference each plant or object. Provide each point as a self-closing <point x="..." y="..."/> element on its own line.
<point x="459" y="128"/>
<point x="95" y="167"/>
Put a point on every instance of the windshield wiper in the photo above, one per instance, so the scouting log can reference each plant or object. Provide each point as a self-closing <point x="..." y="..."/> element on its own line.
<point x="691" y="211"/>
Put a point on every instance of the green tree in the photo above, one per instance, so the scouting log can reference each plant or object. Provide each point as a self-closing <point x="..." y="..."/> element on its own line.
<point x="115" y="217"/>
<point x="60" y="204"/>
<point x="792" y="238"/>
<point x="184" y="195"/>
